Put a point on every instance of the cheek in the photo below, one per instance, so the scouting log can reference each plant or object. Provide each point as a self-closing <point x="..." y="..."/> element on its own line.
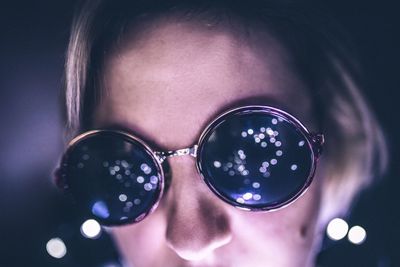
<point x="138" y="242"/>
<point x="288" y="232"/>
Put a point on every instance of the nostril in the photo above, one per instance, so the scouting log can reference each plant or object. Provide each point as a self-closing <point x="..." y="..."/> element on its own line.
<point x="196" y="232"/>
<point x="194" y="245"/>
<point x="200" y="252"/>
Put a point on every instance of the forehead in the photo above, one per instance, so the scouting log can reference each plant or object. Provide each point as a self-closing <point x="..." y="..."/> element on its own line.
<point x="167" y="80"/>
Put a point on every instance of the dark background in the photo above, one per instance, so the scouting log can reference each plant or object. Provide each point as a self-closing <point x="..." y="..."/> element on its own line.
<point x="33" y="38"/>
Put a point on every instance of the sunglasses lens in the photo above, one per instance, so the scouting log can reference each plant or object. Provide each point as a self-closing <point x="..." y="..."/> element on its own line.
<point x="113" y="177"/>
<point x="256" y="160"/>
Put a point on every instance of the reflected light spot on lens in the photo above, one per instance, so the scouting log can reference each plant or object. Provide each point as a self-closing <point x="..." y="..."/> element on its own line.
<point x="231" y="173"/>
<point x="274" y="161"/>
<point x="272" y="140"/>
<point x="293" y="167"/>
<point x="250" y="131"/>
<point x="137" y="201"/>
<point x="261" y="136"/>
<point x="91" y="229"/>
<point x="357" y="235"/>
<point x="301" y="143"/>
<point x="56" y="248"/>
<point x="270" y="132"/>
<point x="279" y="153"/>
<point x="100" y="209"/>
<point x="263" y="144"/>
<point x="337" y="229"/>
<point x="262" y="129"/>
<point x="278" y="143"/>
<point x="145" y="168"/>
<point x="257" y="140"/>
<point x="140" y="179"/>
<point x="266" y="174"/>
<point x="256" y="185"/>
<point x="123" y="197"/>
<point x="240" y="200"/>
<point x="217" y="164"/>
<point x="244" y="134"/>
<point x="256" y="197"/>
<point x="124" y="164"/>
<point x="245" y="172"/>
<point x="154" y="179"/>
<point x="148" y="186"/>
<point x="274" y="121"/>
<point x="247" y="196"/>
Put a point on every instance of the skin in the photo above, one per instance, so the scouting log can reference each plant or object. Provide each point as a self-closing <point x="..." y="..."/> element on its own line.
<point x="165" y="85"/>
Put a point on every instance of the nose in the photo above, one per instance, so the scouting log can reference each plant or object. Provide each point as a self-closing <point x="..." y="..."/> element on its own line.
<point x="197" y="222"/>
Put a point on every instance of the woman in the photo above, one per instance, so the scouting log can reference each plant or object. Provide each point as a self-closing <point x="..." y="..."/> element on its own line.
<point x="159" y="72"/>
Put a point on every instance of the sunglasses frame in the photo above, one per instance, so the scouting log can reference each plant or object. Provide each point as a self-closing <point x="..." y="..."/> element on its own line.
<point x="314" y="142"/>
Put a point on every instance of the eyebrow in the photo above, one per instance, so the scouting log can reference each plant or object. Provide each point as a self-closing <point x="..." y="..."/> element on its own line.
<point x="257" y="100"/>
<point x="131" y="129"/>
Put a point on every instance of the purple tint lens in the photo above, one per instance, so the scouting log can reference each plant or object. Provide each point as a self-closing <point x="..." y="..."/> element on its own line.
<point x="256" y="160"/>
<point x="114" y="178"/>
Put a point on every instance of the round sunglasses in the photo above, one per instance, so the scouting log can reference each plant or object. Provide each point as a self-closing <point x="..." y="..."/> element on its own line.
<point x="256" y="158"/>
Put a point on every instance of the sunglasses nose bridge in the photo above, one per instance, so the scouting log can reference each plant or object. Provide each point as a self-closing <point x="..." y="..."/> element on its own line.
<point x="163" y="155"/>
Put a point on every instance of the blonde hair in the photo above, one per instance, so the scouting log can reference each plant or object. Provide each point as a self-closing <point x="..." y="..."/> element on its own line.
<point x="355" y="150"/>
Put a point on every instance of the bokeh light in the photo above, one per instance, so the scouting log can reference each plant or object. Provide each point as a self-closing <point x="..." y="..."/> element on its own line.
<point x="91" y="229"/>
<point x="56" y="248"/>
<point x="337" y="229"/>
<point x="357" y="235"/>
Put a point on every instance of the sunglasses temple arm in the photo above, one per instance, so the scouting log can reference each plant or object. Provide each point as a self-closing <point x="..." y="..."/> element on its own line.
<point x="318" y="141"/>
<point x="163" y="155"/>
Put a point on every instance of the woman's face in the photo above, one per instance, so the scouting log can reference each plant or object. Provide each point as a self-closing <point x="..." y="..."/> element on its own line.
<point x="165" y="84"/>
